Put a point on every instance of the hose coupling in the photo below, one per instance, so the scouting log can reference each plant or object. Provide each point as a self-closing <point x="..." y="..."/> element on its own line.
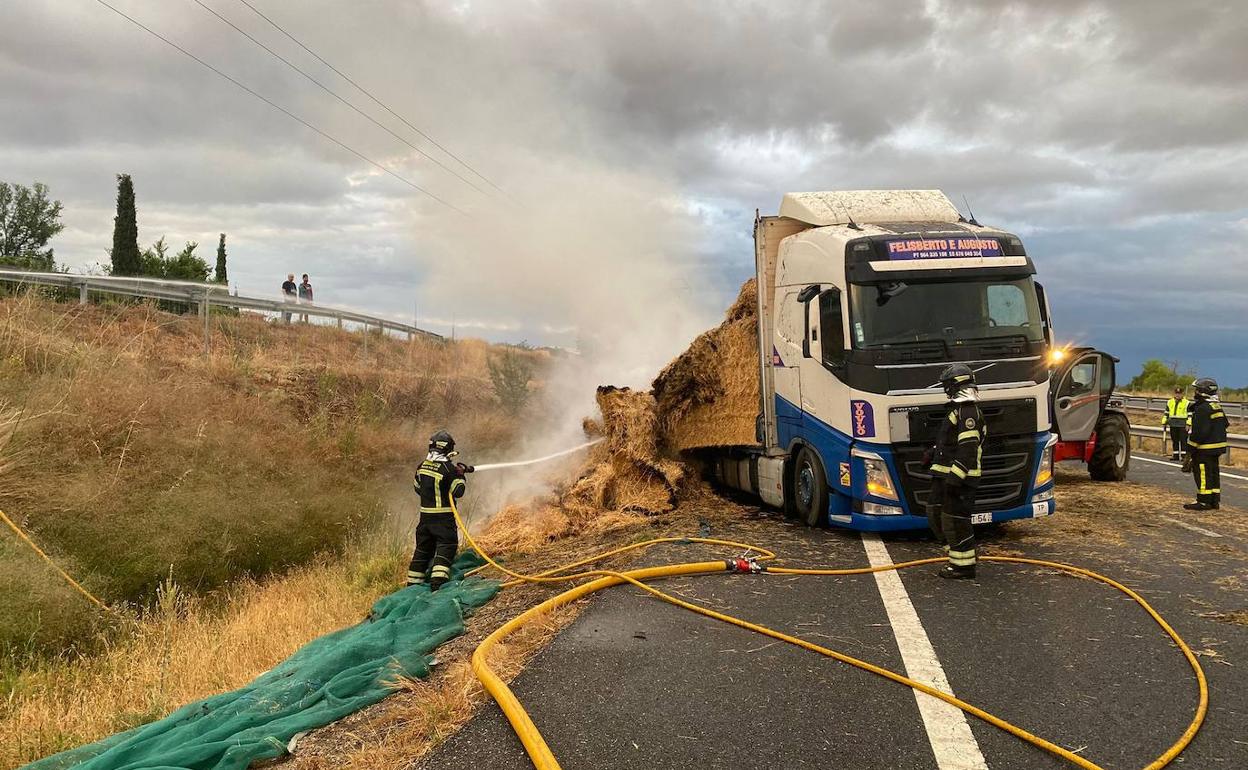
<point x="743" y="565"/>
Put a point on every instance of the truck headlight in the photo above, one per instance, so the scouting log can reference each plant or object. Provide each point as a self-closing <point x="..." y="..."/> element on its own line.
<point x="1044" y="473"/>
<point x="879" y="481"/>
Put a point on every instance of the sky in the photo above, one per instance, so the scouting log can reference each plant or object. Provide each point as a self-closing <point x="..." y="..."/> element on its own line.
<point x="623" y="148"/>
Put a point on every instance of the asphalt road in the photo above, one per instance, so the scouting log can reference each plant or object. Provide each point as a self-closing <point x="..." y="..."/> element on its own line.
<point x="635" y="682"/>
<point x="1160" y="471"/>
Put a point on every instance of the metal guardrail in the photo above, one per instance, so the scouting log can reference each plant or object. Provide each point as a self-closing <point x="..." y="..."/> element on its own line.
<point x="1233" y="440"/>
<point x="204" y="295"/>
<point x="1158" y="404"/>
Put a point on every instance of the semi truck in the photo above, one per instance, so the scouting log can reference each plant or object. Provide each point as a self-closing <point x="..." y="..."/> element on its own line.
<point x="864" y="297"/>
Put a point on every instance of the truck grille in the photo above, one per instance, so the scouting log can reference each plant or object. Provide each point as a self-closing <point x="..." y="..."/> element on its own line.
<point x="1007" y="464"/>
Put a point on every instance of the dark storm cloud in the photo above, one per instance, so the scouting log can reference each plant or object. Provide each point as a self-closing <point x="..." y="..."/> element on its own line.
<point x="1110" y="134"/>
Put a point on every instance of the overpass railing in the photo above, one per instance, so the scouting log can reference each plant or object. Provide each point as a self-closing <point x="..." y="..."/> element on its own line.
<point x="204" y="296"/>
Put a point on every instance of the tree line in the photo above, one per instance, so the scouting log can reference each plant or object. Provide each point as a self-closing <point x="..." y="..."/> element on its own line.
<point x="1158" y="376"/>
<point x="155" y="261"/>
<point x="30" y="218"/>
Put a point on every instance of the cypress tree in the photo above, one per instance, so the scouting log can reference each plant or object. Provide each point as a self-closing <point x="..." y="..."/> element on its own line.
<point x="220" y="276"/>
<point x="125" y="254"/>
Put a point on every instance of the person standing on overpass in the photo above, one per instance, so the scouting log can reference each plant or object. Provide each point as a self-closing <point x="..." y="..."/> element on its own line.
<point x="438" y="480"/>
<point x="288" y="294"/>
<point x="1206" y="442"/>
<point x="305" y="296"/>
<point x="1175" y="420"/>
<point x="956" y="471"/>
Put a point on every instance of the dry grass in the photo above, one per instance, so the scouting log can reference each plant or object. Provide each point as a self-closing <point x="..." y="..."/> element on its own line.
<point x="186" y="649"/>
<point x="356" y="413"/>
<point x="1236" y="617"/>
<point x="1110" y="517"/>
<point x="426" y="712"/>
<point x="149" y="456"/>
<point x="398" y="732"/>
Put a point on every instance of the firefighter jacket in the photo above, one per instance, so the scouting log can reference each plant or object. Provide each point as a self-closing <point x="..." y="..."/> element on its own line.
<point x="1206" y="428"/>
<point x="1176" y="412"/>
<point x="958" y="454"/>
<point x="437" y="481"/>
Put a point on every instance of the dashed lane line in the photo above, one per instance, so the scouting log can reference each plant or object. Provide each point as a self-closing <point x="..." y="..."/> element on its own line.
<point x="1192" y="527"/>
<point x="1224" y="474"/>
<point x="948" y="732"/>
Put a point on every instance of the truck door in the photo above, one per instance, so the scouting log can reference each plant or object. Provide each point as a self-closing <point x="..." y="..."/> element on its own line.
<point x="1078" y="397"/>
<point x="786" y="352"/>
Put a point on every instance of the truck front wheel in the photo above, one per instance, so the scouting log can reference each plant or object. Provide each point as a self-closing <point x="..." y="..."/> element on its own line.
<point x="1112" y="455"/>
<point x="810" y="488"/>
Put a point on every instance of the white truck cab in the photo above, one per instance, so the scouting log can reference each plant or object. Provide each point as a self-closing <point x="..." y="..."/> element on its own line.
<point x="864" y="297"/>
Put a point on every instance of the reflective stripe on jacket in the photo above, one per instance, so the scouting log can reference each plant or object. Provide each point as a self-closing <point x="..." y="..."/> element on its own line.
<point x="1176" y="412"/>
<point x="1206" y="427"/>
<point x="958" y="454"/>
<point x="437" y="481"/>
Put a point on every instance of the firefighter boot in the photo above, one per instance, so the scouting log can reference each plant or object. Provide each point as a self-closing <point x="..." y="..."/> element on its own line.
<point x="1200" y="505"/>
<point x="951" y="572"/>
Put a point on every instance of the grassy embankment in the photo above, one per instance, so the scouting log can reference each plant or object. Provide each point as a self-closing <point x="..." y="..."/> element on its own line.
<point x="139" y="462"/>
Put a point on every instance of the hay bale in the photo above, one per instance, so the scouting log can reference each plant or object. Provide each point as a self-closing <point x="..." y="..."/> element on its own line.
<point x="626" y="472"/>
<point x="630" y="421"/>
<point x="708" y="396"/>
<point x="623" y="478"/>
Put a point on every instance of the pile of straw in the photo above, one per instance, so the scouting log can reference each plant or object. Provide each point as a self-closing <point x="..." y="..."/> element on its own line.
<point x="708" y="395"/>
<point x="625" y="478"/>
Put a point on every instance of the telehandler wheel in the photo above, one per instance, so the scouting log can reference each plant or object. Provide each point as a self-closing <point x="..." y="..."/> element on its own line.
<point x="810" y="489"/>
<point x="1112" y="456"/>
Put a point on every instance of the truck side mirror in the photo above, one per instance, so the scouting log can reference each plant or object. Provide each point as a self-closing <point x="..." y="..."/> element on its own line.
<point x="832" y="324"/>
<point x="1043" y="301"/>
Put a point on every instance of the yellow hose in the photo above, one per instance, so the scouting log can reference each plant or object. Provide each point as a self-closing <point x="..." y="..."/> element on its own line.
<point x="65" y="575"/>
<point x="540" y="753"/>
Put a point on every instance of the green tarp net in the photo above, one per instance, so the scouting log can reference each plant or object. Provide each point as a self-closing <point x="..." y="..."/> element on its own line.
<point x="325" y="680"/>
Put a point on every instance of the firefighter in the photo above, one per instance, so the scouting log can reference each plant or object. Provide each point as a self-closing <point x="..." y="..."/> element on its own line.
<point x="955" y="466"/>
<point x="437" y="481"/>
<point x="1206" y="442"/>
<point x="1175" y="421"/>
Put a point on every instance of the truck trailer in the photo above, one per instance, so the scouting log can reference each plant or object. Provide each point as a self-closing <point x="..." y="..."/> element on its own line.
<point x="863" y="298"/>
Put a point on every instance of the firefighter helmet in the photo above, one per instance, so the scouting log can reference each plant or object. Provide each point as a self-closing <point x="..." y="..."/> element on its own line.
<point x="1205" y="387"/>
<point x="442" y="443"/>
<point x="955" y="377"/>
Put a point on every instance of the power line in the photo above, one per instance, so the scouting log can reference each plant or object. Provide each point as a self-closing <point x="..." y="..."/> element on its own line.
<point x="280" y="108"/>
<point x="369" y="94"/>
<point x="334" y="94"/>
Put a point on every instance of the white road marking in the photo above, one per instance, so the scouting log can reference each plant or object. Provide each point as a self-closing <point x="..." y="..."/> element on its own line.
<point x="1176" y="465"/>
<point x="1192" y="527"/>
<point x="947" y="729"/>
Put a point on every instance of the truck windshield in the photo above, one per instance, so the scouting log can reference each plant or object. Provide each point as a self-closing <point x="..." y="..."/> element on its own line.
<point x="897" y="312"/>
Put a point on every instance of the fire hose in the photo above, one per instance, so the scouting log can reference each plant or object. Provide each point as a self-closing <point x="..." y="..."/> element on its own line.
<point x="542" y="756"/>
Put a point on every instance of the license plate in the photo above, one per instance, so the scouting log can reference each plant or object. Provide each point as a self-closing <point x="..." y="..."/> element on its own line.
<point x="981" y="518"/>
<point x="1039" y="509"/>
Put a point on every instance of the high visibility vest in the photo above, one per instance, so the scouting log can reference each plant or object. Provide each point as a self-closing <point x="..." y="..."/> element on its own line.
<point x="1176" y="412"/>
